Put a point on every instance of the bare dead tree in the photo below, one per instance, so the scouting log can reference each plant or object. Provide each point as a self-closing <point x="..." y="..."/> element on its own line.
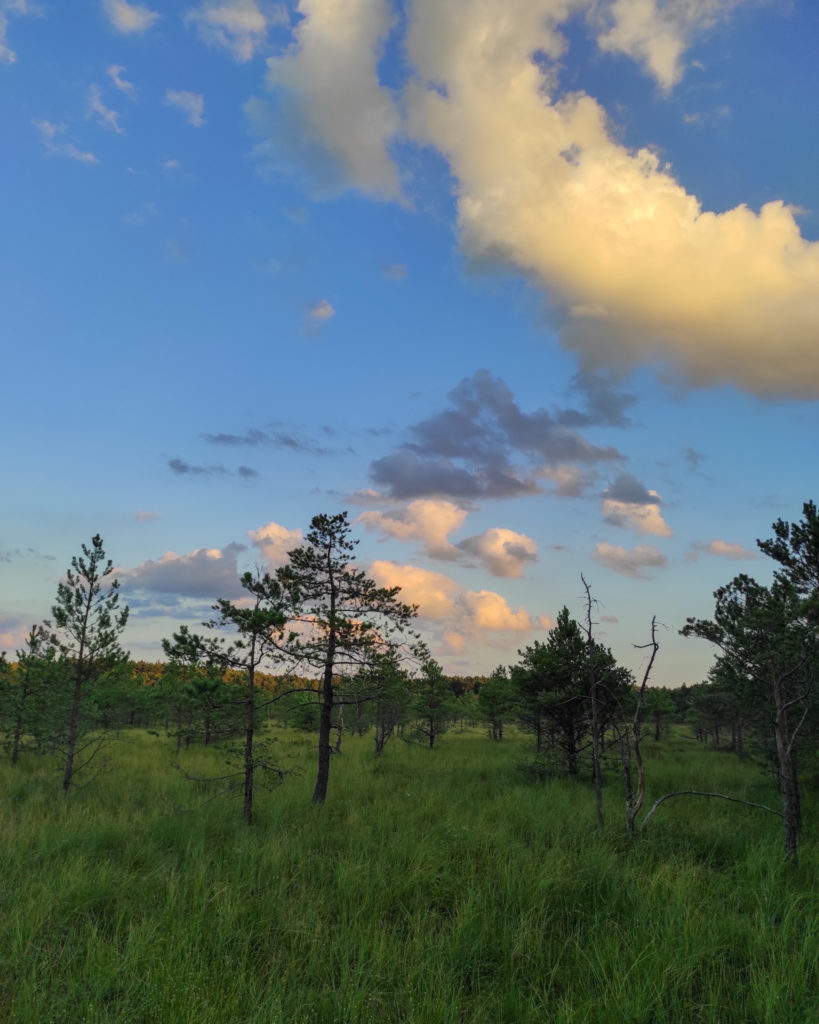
<point x="631" y="737"/>
<point x="597" y="770"/>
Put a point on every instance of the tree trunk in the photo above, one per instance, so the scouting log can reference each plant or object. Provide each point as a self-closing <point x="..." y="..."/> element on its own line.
<point x="788" y="775"/>
<point x="325" y="721"/>
<point x="250" y="726"/>
<point x="73" y="730"/>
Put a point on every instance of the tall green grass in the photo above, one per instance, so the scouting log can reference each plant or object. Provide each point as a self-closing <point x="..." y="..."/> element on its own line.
<point x="433" y="887"/>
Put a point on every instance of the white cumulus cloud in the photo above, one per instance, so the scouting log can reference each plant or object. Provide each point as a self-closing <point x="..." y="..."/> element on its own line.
<point x="642" y="518"/>
<point x="425" y="520"/>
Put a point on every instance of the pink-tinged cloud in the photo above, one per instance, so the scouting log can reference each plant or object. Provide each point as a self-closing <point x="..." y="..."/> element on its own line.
<point x="274" y="542"/>
<point x="720" y="549"/>
<point x="630" y="562"/>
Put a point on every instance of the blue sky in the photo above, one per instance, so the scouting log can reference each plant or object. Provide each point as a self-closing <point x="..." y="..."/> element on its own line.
<point x="531" y="287"/>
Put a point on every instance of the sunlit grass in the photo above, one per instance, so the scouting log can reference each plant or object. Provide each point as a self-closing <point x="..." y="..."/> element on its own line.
<point x="432" y="887"/>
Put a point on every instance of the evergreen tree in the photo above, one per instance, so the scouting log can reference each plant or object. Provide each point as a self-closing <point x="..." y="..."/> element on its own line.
<point x="345" y="622"/>
<point x="87" y="624"/>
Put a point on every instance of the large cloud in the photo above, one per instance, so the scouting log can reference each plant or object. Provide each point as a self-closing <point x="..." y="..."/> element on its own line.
<point x="204" y="572"/>
<point x="455" y="614"/>
<point x="502" y="551"/>
<point x="427" y="521"/>
<point x="332" y="112"/>
<point x="467" y="451"/>
<point x="635" y="270"/>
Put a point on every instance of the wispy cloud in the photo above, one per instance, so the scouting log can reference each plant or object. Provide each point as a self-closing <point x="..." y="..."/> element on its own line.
<point x="106" y="117"/>
<point x="7" y="9"/>
<point x="114" y="72"/>
<point x="51" y="136"/>
<point x="238" y="26"/>
<point x="182" y="468"/>
<point x="192" y="105"/>
<point x="720" y="549"/>
<point x="253" y="437"/>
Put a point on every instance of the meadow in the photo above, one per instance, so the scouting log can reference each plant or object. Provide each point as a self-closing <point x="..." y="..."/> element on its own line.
<point x="433" y="887"/>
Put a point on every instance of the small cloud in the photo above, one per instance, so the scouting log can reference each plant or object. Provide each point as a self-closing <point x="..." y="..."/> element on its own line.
<point x="630" y="505"/>
<point x="145" y="516"/>
<point x="192" y="105"/>
<point x="609" y="618"/>
<point x="394" y="271"/>
<point x="129" y="18"/>
<point x="22" y="553"/>
<point x="630" y="563"/>
<point x="321" y="311"/>
<point x="250" y="437"/>
<point x="171" y="164"/>
<point x="720" y="549"/>
<point x="114" y="72"/>
<point x="50" y="135"/>
<point x="205" y="572"/>
<point x="693" y="458"/>
<point x="182" y="468"/>
<point x="503" y="552"/>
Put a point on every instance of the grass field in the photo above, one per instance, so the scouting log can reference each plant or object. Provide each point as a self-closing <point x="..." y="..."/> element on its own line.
<point x="433" y="887"/>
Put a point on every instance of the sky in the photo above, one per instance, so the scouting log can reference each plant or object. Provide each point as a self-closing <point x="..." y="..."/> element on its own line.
<point x="529" y="287"/>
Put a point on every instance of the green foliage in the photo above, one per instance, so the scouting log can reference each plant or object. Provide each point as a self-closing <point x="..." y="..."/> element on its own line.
<point x="88" y="622"/>
<point x="441" y="892"/>
<point x="496" y="701"/>
<point x="552" y="684"/>
<point x="343" y="622"/>
<point x="435" y="704"/>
